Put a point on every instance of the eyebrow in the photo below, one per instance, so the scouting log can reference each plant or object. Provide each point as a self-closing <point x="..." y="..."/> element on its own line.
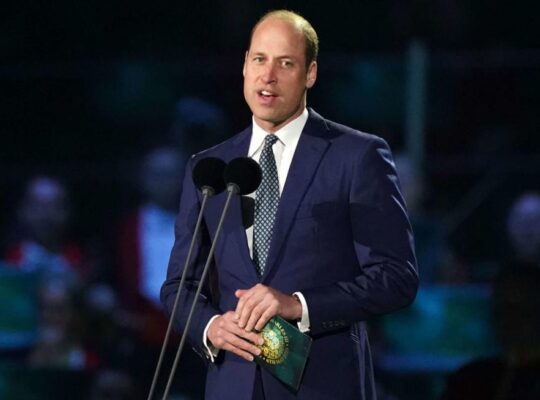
<point x="260" y="53"/>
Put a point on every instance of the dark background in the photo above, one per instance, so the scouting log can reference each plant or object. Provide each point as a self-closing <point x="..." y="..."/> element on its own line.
<point x="88" y="87"/>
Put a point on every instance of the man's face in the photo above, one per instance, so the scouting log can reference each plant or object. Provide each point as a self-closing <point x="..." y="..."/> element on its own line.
<point x="275" y="75"/>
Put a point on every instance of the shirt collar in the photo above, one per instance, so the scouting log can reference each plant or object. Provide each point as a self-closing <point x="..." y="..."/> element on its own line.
<point x="288" y="134"/>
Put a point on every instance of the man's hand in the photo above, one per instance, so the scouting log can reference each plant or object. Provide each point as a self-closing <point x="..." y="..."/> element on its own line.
<point x="256" y="306"/>
<point x="225" y="334"/>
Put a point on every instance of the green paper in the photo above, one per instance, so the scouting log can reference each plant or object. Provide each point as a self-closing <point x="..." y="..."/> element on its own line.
<point x="284" y="352"/>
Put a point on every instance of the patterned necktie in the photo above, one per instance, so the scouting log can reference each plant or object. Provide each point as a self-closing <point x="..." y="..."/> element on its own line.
<point x="266" y="204"/>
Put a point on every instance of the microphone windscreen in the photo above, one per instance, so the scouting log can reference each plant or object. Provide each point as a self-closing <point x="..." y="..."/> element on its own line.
<point x="208" y="173"/>
<point x="245" y="173"/>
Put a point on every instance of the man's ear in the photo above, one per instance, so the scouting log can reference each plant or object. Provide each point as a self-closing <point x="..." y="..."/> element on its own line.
<point x="311" y="75"/>
<point x="244" y="67"/>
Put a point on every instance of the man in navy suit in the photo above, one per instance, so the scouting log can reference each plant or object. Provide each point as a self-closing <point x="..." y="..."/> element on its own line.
<point x="341" y="246"/>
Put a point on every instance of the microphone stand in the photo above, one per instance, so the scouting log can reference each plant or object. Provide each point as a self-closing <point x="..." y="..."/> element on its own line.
<point x="231" y="189"/>
<point x="206" y="192"/>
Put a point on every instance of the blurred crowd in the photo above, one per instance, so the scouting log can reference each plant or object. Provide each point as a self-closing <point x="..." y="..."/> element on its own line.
<point x="91" y="325"/>
<point x="94" y="309"/>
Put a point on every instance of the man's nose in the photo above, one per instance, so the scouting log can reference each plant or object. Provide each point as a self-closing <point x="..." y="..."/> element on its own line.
<point x="269" y="73"/>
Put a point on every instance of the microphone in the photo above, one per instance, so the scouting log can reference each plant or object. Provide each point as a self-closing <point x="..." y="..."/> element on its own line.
<point x="208" y="178"/>
<point x="208" y="175"/>
<point x="242" y="175"/>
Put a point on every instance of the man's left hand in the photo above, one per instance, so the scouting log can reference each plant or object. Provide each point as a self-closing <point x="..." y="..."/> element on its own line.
<point x="256" y="306"/>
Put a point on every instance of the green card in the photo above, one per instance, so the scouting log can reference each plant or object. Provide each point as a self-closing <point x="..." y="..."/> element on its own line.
<point x="284" y="352"/>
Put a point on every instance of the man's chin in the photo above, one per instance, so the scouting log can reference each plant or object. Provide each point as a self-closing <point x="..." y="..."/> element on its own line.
<point x="266" y="116"/>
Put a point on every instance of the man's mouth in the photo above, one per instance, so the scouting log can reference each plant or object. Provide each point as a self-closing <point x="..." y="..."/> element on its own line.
<point x="266" y="93"/>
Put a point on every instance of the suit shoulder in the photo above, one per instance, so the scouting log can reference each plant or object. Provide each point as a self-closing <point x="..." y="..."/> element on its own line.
<point x="351" y="136"/>
<point x="221" y="148"/>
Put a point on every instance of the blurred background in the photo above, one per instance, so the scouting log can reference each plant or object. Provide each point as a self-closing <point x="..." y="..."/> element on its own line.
<point x="103" y="102"/>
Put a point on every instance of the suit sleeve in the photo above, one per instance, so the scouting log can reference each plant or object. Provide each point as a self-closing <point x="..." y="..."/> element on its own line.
<point x="184" y="229"/>
<point x="387" y="279"/>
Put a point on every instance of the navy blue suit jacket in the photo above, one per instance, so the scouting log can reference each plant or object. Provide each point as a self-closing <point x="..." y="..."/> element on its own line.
<point x="341" y="237"/>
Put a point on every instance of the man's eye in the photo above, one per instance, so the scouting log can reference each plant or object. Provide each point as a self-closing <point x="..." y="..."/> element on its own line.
<point x="258" y="59"/>
<point x="286" y="63"/>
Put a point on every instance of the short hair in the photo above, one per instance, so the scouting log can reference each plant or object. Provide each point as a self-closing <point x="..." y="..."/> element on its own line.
<point x="310" y="36"/>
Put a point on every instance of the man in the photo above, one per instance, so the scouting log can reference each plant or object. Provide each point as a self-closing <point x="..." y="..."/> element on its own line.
<point x="333" y="249"/>
<point x="44" y="215"/>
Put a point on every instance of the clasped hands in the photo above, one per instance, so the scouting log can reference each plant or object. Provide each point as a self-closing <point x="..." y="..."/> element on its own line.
<point x="238" y="331"/>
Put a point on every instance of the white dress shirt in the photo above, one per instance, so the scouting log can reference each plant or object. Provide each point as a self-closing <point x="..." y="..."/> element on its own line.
<point x="284" y="148"/>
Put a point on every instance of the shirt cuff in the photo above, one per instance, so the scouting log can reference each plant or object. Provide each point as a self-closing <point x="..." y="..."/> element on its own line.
<point x="303" y="324"/>
<point x="210" y="351"/>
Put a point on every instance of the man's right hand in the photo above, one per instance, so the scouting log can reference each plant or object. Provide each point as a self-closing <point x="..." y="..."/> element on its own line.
<point x="225" y="334"/>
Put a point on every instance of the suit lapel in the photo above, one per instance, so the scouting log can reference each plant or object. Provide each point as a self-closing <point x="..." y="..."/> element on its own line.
<point x="233" y="222"/>
<point x="307" y="157"/>
<point x="238" y="148"/>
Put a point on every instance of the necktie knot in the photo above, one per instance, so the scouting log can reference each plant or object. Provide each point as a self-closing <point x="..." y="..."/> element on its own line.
<point x="270" y="139"/>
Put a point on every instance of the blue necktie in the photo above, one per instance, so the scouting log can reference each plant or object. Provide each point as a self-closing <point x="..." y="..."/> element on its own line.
<point x="266" y="204"/>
